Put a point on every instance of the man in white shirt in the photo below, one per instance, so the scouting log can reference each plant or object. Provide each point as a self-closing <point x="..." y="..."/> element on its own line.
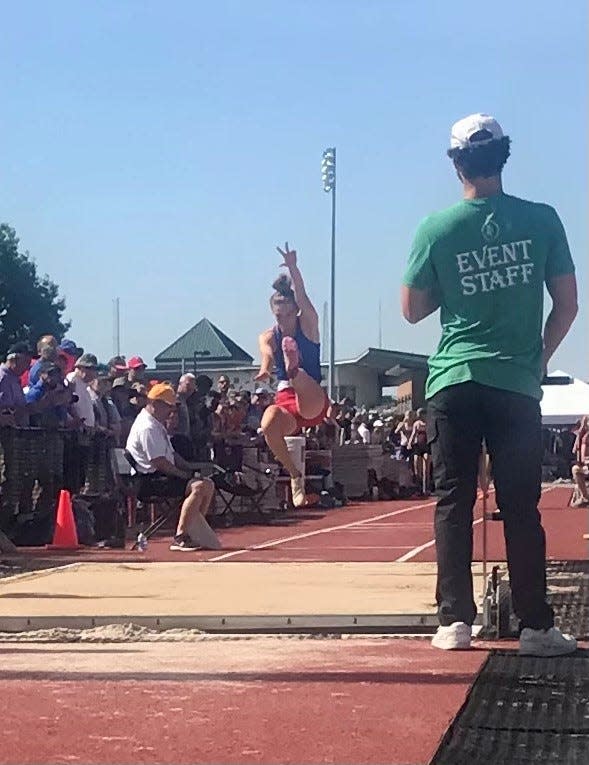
<point x="79" y="380"/>
<point x="162" y="472"/>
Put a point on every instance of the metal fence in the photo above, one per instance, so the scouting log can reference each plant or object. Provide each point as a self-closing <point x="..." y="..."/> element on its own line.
<point x="36" y="463"/>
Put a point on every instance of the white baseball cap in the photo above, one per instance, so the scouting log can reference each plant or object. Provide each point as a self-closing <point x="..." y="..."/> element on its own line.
<point x="464" y="129"/>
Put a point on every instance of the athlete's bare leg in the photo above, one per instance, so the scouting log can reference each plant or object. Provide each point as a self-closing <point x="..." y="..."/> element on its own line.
<point x="277" y="423"/>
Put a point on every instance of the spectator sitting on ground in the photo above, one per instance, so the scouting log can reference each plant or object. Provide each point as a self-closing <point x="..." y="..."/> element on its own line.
<point x="13" y="405"/>
<point x="79" y="380"/>
<point x="163" y="472"/>
<point x="106" y="416"/>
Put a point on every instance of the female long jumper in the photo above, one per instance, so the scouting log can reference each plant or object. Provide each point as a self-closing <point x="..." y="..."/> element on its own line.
<point x="292" y="348"/>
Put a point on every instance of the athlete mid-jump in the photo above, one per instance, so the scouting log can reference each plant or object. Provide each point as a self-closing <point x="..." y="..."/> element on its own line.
<point x="292" y="349"/>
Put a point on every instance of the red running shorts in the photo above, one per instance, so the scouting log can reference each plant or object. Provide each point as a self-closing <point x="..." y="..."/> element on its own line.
<point x="287" y="399"/>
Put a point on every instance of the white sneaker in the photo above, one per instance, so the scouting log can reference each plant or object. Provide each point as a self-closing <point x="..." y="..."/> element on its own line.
<point x="550" y="642"/>
<point x="456" y="637"/>
<point x="297" y="487"/>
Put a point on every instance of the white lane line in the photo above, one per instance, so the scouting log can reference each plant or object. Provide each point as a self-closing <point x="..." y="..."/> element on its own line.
<point x="327" y="530"/>
<point x="421" y="548"/>
<point x="412" y="553"/>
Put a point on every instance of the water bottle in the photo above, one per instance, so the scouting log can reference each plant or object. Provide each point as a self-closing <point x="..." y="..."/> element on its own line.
<point x="141" y="542"/>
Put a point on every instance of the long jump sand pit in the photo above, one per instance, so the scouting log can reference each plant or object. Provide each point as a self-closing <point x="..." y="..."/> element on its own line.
<point x="217" y="596"/>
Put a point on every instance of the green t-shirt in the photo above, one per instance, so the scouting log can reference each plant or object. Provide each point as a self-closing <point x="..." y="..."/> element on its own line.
<point x="487" y="261"/>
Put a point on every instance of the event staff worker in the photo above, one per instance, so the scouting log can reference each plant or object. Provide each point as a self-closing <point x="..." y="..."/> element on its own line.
<point x="484" y="263"/>
<point x="163" y="472"/>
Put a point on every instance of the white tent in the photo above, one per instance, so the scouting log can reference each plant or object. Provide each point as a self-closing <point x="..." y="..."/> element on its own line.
<point x="564" y="404"/>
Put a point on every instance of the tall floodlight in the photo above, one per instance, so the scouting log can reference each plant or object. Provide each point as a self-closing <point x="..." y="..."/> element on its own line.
<point x="328" y="177"/>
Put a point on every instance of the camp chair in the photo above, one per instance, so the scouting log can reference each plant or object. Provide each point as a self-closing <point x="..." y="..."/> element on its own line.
<point x="237" y="481"/>
<point x="233" y="486"/>
<point x="160" y="509"/>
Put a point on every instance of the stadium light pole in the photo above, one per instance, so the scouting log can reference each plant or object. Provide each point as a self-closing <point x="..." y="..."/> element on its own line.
<point x="328" y="178"/>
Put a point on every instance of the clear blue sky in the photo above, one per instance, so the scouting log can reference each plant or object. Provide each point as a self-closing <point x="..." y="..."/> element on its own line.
<point x="159" y="151"/>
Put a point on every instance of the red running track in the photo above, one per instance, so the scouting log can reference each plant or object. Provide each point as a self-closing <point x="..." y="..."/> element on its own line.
<point x="283" y="701"/>
<point x="369" y="532"/>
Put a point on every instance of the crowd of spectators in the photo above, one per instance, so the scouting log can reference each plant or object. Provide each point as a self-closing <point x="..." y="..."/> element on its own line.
<point x="60" y="386"/>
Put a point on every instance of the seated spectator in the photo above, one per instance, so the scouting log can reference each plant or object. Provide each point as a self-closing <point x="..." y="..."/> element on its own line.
<point x="49" y="398"/>
<point x="79" y="380"/>
<point x="257" y="405"/>
<point x="163" y="472"/>
<point x="580" y="469"/>
<point x="106" y="416"/>
<point x="232" y="414"/>
<point x="360" y="431"/>
<point x="13" y="405"/>
<point x="377" y="432"/>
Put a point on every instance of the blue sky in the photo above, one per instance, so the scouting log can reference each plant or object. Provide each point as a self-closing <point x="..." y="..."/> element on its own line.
<point x="159" y="151"/>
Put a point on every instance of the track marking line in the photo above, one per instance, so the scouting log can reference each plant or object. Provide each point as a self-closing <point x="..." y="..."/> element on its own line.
<point x="412" y="553"/>
<point x="328" y="530"/>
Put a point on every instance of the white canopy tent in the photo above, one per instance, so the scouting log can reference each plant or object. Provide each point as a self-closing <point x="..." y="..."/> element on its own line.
<point x="564" y="404"/>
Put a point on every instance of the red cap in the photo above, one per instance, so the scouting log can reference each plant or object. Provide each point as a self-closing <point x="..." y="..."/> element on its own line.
<point x="136" y="362"/>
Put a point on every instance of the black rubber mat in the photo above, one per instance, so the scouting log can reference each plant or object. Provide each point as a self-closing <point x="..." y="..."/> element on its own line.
<point x="523" y="710"/>
<point x="568" y="593"/>
<point x="568" y="587"/>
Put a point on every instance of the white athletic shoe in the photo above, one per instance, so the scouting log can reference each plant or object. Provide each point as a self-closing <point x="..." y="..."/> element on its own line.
<point x="550" y="642"/>
<point x="297" y="487"/>
<point x="456" y="637"/>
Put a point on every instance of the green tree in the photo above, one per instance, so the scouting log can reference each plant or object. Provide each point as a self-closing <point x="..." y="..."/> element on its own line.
<point x="30" y="305"/>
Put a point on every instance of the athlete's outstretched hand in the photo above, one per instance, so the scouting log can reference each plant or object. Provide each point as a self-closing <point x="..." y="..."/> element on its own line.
<point x="290" y="256"/>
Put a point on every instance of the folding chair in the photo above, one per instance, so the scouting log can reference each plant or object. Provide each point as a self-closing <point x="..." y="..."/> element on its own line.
<point x="160" y="509"/>
<point x="232" y="486"/>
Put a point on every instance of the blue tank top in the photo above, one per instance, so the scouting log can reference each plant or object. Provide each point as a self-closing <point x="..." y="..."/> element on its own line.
<point x="309" y="352"/>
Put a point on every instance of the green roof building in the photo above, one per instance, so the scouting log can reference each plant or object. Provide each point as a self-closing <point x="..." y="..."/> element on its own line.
<point x="202" y="347"/>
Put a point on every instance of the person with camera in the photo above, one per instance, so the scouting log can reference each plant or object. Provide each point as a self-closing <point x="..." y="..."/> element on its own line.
<point x="49" y="398"/>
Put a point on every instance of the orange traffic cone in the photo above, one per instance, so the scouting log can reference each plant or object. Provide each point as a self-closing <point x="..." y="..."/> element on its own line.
<point x="65" y="536"/>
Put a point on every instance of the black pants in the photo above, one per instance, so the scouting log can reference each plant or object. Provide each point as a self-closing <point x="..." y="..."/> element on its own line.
<point x="459" y="417"/>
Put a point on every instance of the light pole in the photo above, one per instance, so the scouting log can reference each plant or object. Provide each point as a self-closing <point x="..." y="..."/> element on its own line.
<point x="328" y="177"/>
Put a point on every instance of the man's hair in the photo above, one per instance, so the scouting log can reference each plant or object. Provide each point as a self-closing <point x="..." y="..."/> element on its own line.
<point x="187" y="376"/>
<point x="46" y="340"/>
<point x="204" y="383"/>
<point x="283" y="289"/>
<point x="481" y="161"/>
